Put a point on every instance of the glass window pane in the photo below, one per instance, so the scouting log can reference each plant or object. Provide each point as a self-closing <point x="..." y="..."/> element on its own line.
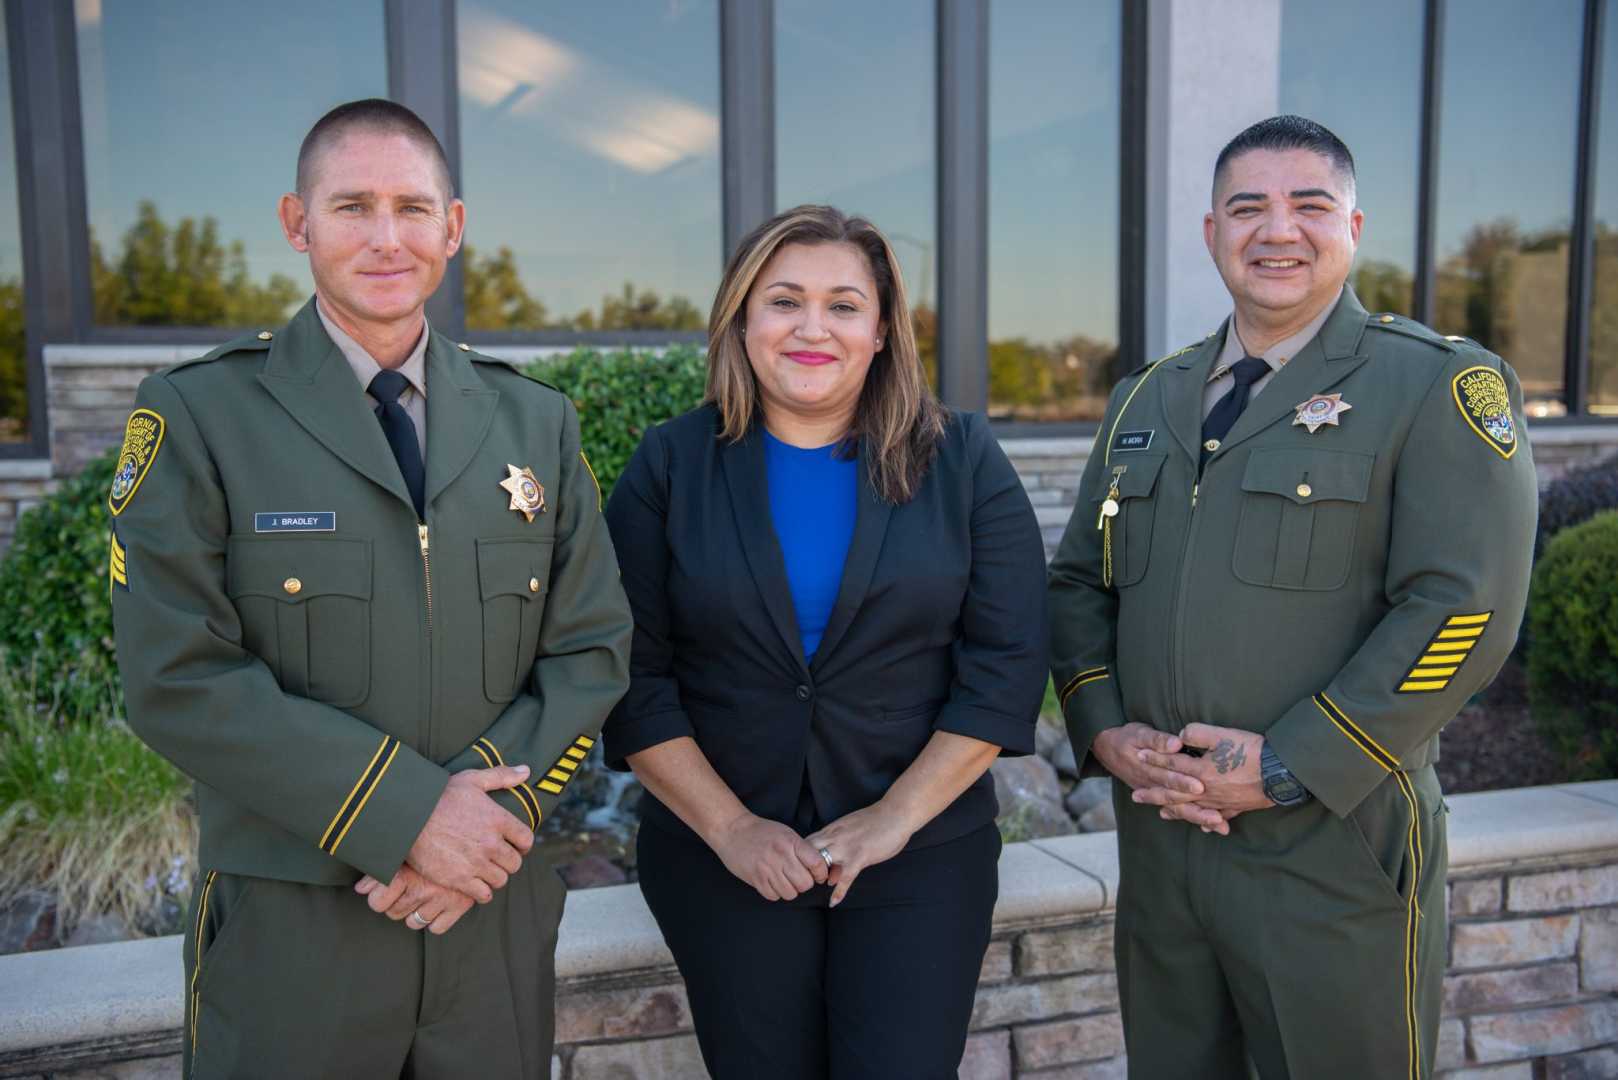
<point x="193" y="114"/>
<point x="1502" y="228"/>
<point x="1371" y="99"/>
<point x="13" y="337"/>
<point x="590" y="163"/>
<point x="1603" y="399"/>
<point x="1053" y="207"/>
<point x="855" y="112"/>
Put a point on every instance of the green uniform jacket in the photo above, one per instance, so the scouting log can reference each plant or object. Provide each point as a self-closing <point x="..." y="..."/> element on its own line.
<point x="314" y="657"/>
<point x="1343" y="591"/>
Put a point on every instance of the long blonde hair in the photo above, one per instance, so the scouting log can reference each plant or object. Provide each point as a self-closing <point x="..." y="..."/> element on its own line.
<point x="897" y="418"/>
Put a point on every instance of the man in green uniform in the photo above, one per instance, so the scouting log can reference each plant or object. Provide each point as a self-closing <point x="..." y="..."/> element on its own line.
<point x="365" y="596"/>
<point x="1300" y="546"/>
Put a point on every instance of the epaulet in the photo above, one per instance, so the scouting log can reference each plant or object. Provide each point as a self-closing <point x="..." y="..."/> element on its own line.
<point x="257" y="342"/>
<point x="1410" y="328"/>
<point x="1177" y="352"/>
<point x="483" y="358"/>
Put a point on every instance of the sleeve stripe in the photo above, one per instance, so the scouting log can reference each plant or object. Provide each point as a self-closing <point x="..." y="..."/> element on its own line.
<point x="1460" y="632"/>
<point x="1413" y="685"/>
<point x="593" y="479"/>
<point x="349" y="800"/>
<point x="1088" y="675"/>
<point x="1444" y="653"/>
<point x="529" y="804"/>
<point x="1470" y="620"/>
<point x="493" y="749"/>
<point x="369" y="791"/>
<point x="484" y="754"/>
<point x="1358" y="737"/>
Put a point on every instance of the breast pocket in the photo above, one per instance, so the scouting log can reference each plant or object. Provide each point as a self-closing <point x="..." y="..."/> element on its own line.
<point x="1131" y="528"/>
<point x="513" y="576"/>
<point x="1300" y="512"/>
<point x="305" y="606"/>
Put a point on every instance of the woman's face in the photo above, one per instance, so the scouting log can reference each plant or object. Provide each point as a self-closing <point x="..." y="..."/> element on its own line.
<point x="814" y="321"/>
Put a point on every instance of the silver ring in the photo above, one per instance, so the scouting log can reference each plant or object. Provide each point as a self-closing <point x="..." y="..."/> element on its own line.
<point x="825" y="854"/>
<point x="415" y="919"/>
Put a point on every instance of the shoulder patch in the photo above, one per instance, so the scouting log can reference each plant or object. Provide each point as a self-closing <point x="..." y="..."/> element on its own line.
<point x="143" y="435"/>
<point x="1485" y="403"/>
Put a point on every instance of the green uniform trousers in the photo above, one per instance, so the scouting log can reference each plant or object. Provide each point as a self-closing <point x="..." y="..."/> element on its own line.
<point x="1309" y="944"/>
<point x="291" y="980"/>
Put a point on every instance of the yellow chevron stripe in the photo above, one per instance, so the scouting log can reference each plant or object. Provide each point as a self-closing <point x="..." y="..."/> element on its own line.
<point x="1454" y="635"/>
<point x="1451" y="646"/>
<point x="559" y="776"/>
<point x="1469" y="620"/>
<point x="567" y="763"/>
<point x="1429" y="672"/>
<point x="350" y="798"/>
<point x="358" y="810"/>
<point x="546" y="785"/>
<point x="585" y="741"/>
<point x="1412" y="684"/>
<point x="575" y="753"/>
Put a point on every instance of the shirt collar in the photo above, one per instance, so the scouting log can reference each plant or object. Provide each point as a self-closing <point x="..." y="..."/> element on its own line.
<point x="1276" y="355"/>
<point x="364" y="365"/>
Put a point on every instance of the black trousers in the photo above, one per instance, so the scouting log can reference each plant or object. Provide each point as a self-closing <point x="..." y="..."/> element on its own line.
<point x="880" y="987"/>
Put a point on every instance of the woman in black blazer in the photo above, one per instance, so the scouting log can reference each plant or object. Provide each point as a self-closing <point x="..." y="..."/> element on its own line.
<point x="838" y="589"/>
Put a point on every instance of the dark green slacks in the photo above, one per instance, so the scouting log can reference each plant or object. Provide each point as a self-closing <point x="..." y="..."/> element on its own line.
<point x="306" y="981"/>
<point x="1310" y="944"/>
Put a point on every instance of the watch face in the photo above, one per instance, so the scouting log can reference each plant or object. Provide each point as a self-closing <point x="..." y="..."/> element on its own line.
<point x="1283" y="789"/>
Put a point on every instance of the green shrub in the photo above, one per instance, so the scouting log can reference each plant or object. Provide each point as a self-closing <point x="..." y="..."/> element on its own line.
<point x="621" y="394"/>
<point x="1573" y="655"/>
<point x="55" y="612"/>
<point x="91" y="815"/>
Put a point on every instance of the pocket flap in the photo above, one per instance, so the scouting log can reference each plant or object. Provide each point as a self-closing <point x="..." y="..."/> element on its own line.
<point x="514" y="567"/>
<point x="295" y="569"/>
<point x="1310" y="476"/>
<point x="1136" y="481"/>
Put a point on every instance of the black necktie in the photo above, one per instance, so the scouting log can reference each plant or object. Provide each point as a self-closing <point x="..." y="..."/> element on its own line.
<point x="1222" y="417"/>
<point x="400" y="433"/>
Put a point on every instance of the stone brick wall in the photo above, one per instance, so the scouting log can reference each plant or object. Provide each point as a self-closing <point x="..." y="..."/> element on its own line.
<point x="22" y="484"/>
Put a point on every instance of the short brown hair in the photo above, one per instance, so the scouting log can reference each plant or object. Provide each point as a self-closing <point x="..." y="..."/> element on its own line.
<point x="378" y="116"/>
<point x="898" y="418"/>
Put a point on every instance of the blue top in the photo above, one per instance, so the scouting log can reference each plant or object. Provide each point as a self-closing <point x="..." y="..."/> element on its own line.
<point x="813" y="496"/>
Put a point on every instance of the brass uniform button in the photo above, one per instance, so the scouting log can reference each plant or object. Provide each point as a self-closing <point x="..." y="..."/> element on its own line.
<point x="265" y="335"/>
<point x="1304" y="491"/>
<point x="1387" y="318"/>
<point x="1211" y="445"/>
<point x="533" y="584"/>
<point x="292" y="585"/>
<point x="464" y="347"/>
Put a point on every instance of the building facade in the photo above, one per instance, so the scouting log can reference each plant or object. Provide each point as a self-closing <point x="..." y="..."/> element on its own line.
<point x="1042" y="167"/>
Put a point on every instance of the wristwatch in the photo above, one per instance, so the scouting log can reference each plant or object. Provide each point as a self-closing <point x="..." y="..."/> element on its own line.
<point x="1280" y="786"/>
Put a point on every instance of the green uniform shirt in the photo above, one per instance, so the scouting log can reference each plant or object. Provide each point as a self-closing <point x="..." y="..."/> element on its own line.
<point x="314" y="657"/>
<point x="1346" y="570"/>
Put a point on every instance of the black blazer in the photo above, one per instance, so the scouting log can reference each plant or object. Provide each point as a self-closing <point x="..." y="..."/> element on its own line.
<point x="939" y="625"/>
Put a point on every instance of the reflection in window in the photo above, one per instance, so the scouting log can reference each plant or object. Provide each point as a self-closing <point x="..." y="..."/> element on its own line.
<point x="13" y="339"/>
<point x="189" y="142"/>
<point x="854" y="127"/>
<point x="590" y="161"/>
<point x="1603" y="391"/>
<point x="1371" y="99"/>
<point x="1502" y="230"/>
<point x="1053" y="208"/>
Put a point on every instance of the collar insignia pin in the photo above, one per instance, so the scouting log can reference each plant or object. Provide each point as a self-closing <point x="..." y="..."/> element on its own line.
<point x="1320" y="410"/>
<point x="527" y="495"/>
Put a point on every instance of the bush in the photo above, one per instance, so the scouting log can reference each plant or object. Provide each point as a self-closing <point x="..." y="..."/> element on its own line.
<point x="1575" y="497"/>
<point x="1573" y="654"/>
<point x="55" y="610"/>
<point x="621" y="394"/>
<point x="89" y="814"/>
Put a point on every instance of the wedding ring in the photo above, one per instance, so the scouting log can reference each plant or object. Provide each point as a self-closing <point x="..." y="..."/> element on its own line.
<point x="825" y="854"/>
<point x="414" y="919"/>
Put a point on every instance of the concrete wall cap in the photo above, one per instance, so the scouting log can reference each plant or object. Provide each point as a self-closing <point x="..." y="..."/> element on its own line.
<point x="1078" y="446"/>
<point x="1525" y="823"/>
<point x="95" y="991"/>
<point x="121" y="355"/>
<point x="25" y="468"/>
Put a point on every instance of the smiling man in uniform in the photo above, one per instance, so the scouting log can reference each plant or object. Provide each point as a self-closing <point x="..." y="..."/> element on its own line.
<point x="1299" y="547"/>
<point x="364" y="595"/>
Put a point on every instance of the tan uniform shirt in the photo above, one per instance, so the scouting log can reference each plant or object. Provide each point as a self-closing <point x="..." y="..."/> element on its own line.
<point x="365" y="368"/>
<point x="1220" y="380"/>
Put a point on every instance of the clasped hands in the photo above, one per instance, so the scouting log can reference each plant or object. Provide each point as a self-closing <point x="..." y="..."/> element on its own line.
<point x="1207" y="790"/>
<point x="779" y="864"/>
<point x="469" y="847"/>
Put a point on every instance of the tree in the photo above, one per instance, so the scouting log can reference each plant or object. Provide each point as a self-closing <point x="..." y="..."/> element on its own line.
<point x="495" y="296"/>
<point x="643" y="310"/>
<point x="13" y="363"/>
<point x="183" y="276"/>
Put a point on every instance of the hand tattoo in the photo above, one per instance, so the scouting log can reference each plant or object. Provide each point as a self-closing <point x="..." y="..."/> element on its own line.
<point x="1227" y="756"/>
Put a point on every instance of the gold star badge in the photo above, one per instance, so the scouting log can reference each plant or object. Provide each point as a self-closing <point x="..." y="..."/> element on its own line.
<point x="1320" y="410"/>
<point x="527" y="496"/>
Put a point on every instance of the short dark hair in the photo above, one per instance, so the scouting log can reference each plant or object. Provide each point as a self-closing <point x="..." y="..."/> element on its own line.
<point x="1288" y="133"/>
<point x="377" y="116"/>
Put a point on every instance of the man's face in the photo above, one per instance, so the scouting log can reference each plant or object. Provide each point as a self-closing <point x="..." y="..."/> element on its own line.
<point x="376" y="227"/>
<point x="1282" y="232"/>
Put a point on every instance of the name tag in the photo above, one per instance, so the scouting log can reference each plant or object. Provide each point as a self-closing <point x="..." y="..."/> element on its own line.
<point x="1132" y="440"/>
<point x="308" y="521"/>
